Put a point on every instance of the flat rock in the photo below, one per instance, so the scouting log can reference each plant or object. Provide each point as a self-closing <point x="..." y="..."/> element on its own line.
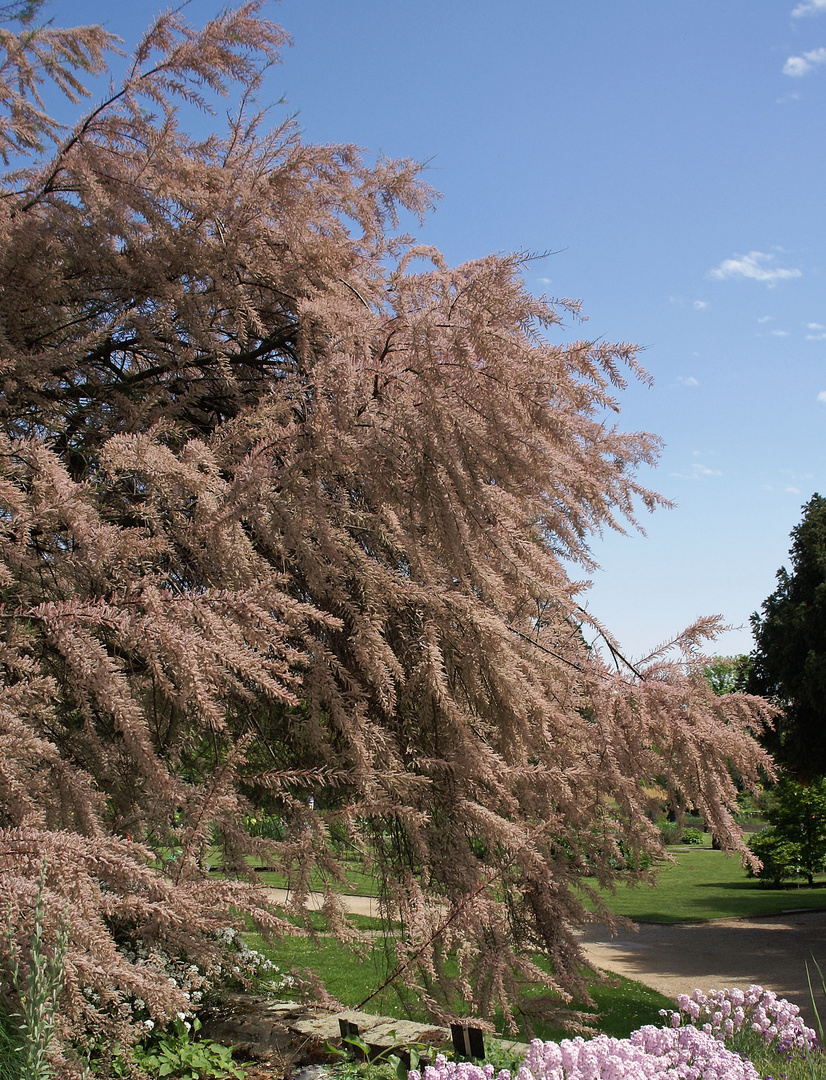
<point x="381" y="1031"/>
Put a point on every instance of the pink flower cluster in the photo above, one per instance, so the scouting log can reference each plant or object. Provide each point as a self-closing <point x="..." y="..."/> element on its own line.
<point x="456" y="1070"/>
<point x="652" y="1053"/>
<point x="722" y="1013"/>
<point x="684" y="1051"/>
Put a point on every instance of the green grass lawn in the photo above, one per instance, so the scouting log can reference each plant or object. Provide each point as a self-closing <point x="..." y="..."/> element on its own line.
<point x="700" y="884"/>
<point x="358" y="881"/>
<point x="704" y="884"/>
<point x="621" y="1005"/>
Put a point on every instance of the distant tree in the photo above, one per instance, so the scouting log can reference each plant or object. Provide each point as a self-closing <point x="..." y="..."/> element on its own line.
<point x="286" y="505"/>
<point x="728" y="674"/>
<point x="789" y="659"/>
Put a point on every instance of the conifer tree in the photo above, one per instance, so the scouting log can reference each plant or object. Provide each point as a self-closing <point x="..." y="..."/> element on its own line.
<point x="287" y="504"/>
<point x="789" y="660"/>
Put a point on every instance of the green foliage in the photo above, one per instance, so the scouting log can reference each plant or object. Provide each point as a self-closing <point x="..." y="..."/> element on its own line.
<point x="352" y="1069"/>
<point x="674" y="833"/>
<point x="794" y="844"/>
<point x="770" y="1060"/>
<point x="691" y="836"/>
<point x="780" y="858"/>
<point x="810" y="1053"/>
<point x="751" y="808"/>
<point x="728" y="674"/>
<point x="789" y="661"/>
<point x="271" y="826"/>
<point x="37" y="991"/>
<point x="362" y="1062"/>
<point x="629" y="859"/>
<point x="175" y="1054"/>
<point x="670" y="832"/>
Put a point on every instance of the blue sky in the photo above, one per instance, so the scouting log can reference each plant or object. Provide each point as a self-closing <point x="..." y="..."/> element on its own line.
<point x="672" y="155"/>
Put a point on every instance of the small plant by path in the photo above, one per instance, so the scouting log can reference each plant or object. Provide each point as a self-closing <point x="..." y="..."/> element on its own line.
<point x="174" y="1053"/>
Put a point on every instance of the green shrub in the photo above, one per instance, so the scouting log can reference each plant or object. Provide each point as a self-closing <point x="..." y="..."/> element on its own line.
<point x="670" y="832"/>
<point x="794" y="844"/>
<point x="781" y="858"/>
<point x="629" y="859"/>
<point x="691" y="836"/>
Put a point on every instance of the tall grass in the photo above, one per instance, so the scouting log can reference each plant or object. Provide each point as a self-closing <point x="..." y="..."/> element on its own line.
<point x="9" y="1054"/>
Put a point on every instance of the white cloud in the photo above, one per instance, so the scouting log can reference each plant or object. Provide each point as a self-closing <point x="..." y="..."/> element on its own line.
<point x="697" y="472"/>
<point x="780" y="333"/>
<point x="545" y="281"/>
<point x="822" y="396"/>
<point x="755" y="267"/>
<point x="687" y="380"/>
<point x="792" y="490"/>
<point x="802" y="65"/>
<point x="700" y="304"/>
<point x="765" y="319"/>
<point x="809" y="7"/>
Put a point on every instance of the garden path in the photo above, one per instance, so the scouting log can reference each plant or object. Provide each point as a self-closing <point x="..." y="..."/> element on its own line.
<point x="676" y="958"/>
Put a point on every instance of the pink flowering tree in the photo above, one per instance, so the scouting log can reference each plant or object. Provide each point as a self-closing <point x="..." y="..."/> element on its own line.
<point x="286" y="510"/>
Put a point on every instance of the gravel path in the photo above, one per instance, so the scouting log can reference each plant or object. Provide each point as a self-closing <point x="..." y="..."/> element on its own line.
<point x="679" y="957"/>
<point x="355" y="905"/>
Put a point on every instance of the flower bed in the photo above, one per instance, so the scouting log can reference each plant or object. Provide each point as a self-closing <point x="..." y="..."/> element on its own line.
<point x="702" y="1040"/>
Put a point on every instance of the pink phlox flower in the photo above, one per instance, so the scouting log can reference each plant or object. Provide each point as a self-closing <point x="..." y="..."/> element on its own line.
<point x="652" y="1053"/>
<point x="442" y="1069"/>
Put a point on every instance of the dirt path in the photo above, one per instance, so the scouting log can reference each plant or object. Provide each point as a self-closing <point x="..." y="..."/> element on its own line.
<point x="676" y="958"/>
<point x="355" y="905"/>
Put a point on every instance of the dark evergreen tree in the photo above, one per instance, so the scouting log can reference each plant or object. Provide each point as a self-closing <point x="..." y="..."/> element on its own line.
<point x="789" y="661"/>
